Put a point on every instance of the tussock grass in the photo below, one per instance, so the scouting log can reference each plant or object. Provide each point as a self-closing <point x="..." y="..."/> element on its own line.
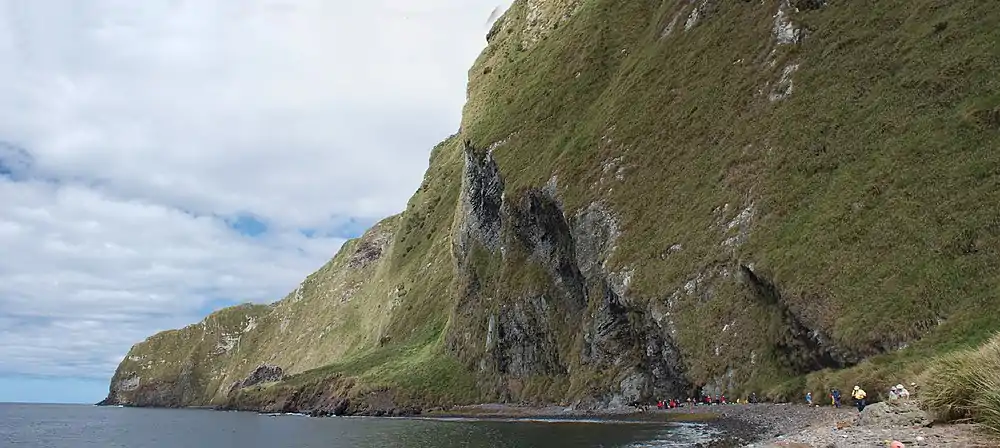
<point x="965" y="386"/>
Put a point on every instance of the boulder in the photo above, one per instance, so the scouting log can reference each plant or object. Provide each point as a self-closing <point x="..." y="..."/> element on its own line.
<point x="895" y="413"/>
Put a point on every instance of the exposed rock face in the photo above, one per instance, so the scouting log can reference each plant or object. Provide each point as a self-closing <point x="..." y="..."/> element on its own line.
<point x="262" y="374"/>
<point x="525" y="341"/>
<point x="785" y="32"/>
<point x="183" y="390"/>
<point x="482" y="191"/>
<point x="539" y="226"/>
<point x="523" y="335"/>
<point x="369" y="251"/>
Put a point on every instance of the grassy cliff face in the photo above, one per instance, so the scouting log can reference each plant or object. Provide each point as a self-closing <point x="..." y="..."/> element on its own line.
<point x="843" y="150"/>
<point x="647" y="197"/>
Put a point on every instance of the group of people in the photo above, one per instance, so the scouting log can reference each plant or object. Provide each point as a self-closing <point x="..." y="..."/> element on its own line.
<point x="704" y="400"/>
<point x="898" y="392"/>
<point x="860" y="397"/>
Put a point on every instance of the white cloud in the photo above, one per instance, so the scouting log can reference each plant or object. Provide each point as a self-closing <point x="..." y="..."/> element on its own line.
<point x="145" y="124"/>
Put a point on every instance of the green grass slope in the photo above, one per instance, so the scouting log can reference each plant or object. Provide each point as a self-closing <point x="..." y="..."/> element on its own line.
<point x="808" y="189"/>
<point x="376" y="312"/>
<point x="859" y="148"/>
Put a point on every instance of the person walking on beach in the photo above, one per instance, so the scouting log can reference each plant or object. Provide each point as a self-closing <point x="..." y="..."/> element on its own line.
<point x="859" y="395"/>
<point x="835" y="398"/>
<point x="809" y="398"/>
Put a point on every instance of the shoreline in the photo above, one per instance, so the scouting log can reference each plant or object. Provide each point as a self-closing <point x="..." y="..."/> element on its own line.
<point x="760" y="425"/>
<point x="728" y="429"/>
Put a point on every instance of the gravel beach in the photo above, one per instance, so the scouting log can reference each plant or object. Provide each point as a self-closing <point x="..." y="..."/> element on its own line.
<point x="767" y="425"/>
<point x="801" y="426"/>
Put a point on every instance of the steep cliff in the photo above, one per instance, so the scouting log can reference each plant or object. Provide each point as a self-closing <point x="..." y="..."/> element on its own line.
<point x="652" y="198"/>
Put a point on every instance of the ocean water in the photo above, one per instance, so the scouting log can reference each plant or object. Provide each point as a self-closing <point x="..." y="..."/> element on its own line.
<point x="81" y="426"/>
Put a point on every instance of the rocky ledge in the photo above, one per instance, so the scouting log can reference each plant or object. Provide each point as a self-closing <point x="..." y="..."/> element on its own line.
<point x="264" y="373"/>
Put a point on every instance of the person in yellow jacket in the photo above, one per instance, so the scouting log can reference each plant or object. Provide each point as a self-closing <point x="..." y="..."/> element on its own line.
<point x="859" y="395"/>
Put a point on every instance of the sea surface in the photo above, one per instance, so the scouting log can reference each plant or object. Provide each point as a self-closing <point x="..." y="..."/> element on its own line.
<point x="82" y="426"/>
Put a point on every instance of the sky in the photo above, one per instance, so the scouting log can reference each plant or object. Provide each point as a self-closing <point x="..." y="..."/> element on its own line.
<point x="162" y="159"/>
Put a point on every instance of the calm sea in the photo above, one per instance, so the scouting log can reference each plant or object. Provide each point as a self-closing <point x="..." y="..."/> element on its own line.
<point x="81" y="426"/>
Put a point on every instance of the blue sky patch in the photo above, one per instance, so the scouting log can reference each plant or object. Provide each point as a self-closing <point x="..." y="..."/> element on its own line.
<point x="247" y="225"/>
<point x="340" y="228"/>
<point x="15" y="162"/>
<point x="30" y="389"/>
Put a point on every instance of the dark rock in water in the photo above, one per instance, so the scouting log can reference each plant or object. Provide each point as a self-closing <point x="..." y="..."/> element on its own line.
<point x="408" y="411"/>
<point x="341" y="407"/>
<point x="264" y="373"/>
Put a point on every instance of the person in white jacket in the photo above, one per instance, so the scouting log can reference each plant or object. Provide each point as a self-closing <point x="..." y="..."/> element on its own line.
<point x="902" y="392"/>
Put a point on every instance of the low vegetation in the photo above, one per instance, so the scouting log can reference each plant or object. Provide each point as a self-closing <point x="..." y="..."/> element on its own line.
<point x="965" y="386"/>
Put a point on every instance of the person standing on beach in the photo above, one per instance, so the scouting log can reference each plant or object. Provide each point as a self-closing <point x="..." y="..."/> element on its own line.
<point x="835" y="398"/>
<point x="809" y="398"/>
<point x="901" y="392"/>
<point x="859" y="397"/>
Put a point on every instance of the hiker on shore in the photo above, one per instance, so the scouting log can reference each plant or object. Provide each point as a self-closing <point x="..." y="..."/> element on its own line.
<point x="859" y="395"/>
<point x="901" y="392"/>
<point x="809" y="398"/>
<point x="835" y="398"/>
<point x="893" y="396"/>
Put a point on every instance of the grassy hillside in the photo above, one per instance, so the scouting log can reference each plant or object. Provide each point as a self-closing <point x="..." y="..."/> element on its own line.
<point x="865" y="186"/>
<point x="791" y="195"/>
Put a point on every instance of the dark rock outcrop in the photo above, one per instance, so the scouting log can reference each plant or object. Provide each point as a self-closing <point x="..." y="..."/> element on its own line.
<point x="264" y="373"/>
<point x="538" y="225"/>
<point x="525" y="336"/>
<point x="805" y="350"/>
<point x="523" y="342"/>
<point x="482" y="197"/>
